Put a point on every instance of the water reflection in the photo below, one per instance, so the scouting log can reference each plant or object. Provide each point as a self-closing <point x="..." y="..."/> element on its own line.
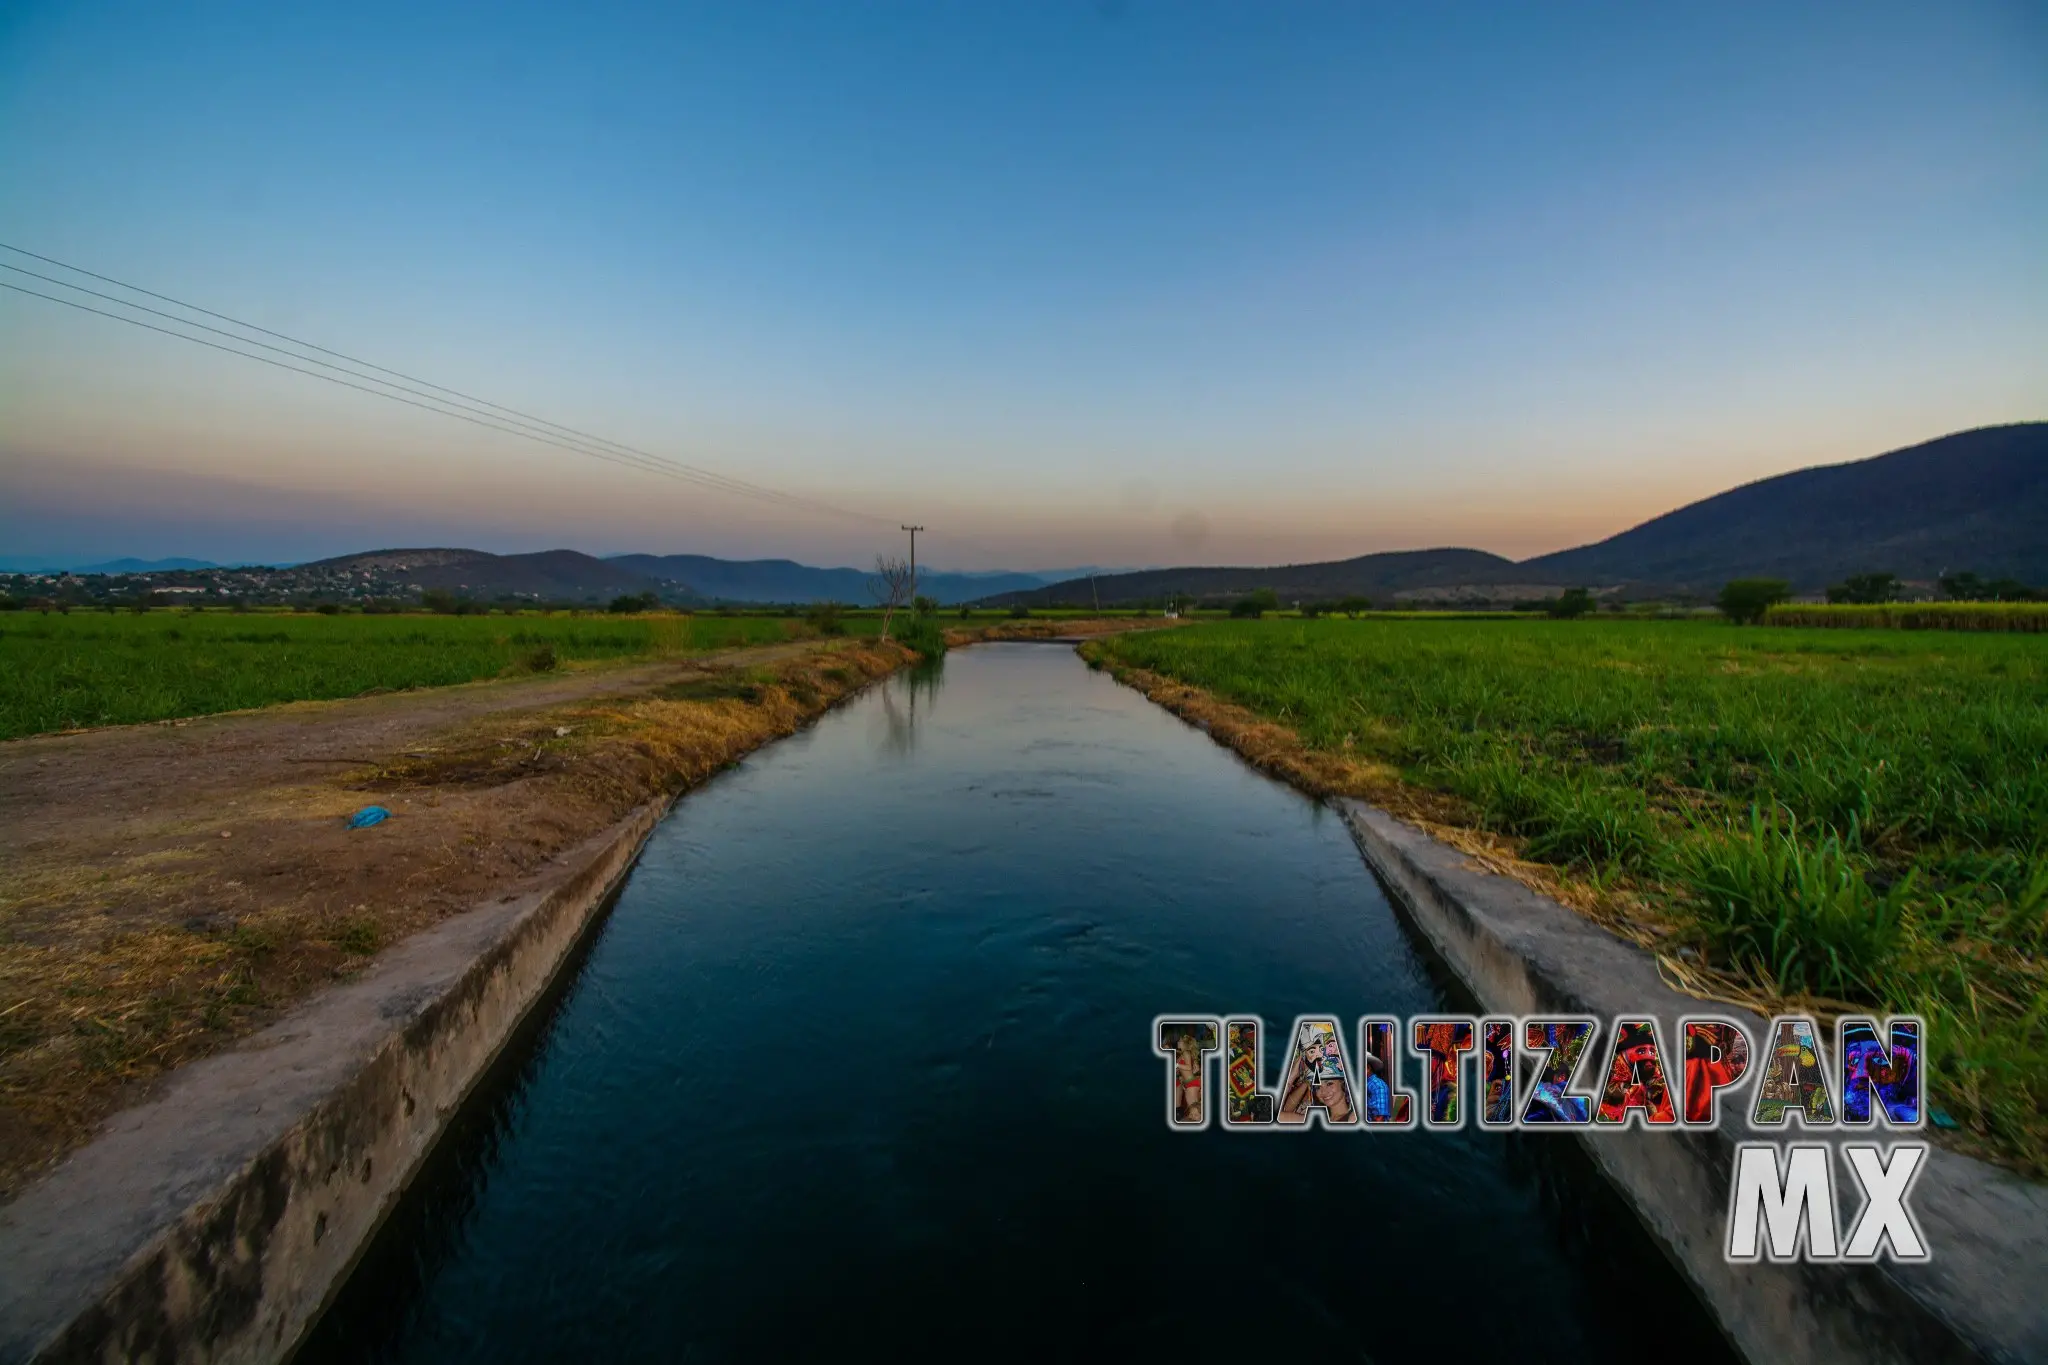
<point x="900" y="696"/>
<point x="865" y="1068"/>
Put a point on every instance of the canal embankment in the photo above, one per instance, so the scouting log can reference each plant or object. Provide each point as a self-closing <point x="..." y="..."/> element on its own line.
<point x="213" y="1222"/>
<point x="1522" y="952"/>
<point x="281" y="1011"/>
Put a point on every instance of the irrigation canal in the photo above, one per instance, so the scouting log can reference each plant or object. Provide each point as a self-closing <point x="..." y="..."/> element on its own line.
<point x="858" y="1066"/>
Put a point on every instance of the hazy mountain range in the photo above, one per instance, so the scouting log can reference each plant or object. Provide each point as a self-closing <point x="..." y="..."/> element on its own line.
<point x="571" y="575"/>
<point x="44" y="564"/>
<point x="1976" y="500"/>
<point x="785" y="580"/>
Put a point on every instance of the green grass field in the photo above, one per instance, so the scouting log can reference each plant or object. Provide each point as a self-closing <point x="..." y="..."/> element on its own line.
<point x="1856" y="816"/>
<point x="60" y="672"/>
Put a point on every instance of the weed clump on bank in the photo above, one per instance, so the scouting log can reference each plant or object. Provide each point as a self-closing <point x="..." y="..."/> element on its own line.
<point x="924" y="634"/>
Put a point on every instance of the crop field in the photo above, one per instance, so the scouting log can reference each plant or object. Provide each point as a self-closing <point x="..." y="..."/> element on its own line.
<point x="2025" y="617"/>
<point x="60" y="672"/>
<point x="1839" y="817"/>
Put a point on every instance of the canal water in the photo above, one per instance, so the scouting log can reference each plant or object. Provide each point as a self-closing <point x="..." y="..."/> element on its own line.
<point x="860" y="1066"/>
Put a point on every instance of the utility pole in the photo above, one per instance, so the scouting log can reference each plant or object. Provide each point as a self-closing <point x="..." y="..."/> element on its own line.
<point x="913" y="559"/>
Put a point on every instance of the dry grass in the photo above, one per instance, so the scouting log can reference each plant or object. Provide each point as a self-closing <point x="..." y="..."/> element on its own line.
<point x="167" y="945"/>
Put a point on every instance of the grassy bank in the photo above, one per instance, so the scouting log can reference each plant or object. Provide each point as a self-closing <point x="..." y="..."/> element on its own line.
<point x="60" y="672"/>
<point x="1844" y="817"/>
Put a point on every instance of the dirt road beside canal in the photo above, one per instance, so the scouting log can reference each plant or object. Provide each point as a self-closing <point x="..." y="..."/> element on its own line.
<point x="165" y="889"/>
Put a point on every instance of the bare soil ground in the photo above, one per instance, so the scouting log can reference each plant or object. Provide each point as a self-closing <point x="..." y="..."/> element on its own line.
<point x="167" y="888"/>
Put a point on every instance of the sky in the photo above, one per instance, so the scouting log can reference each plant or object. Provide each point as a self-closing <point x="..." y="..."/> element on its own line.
<point x="1123" y="282"/>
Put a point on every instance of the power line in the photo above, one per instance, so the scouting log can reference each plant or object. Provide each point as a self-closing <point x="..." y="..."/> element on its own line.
<point x="628" y="458"/>
<point x="311" y="346"/>
<point x="246" y="341"/>
<point x="654" y="468"/>
<point x="585" y="443"/>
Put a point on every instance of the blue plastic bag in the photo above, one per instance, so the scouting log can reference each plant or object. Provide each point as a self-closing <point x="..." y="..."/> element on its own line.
<point x="368" y="816"/>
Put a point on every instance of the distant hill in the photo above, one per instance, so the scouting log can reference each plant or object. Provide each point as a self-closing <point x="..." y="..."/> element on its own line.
<point x="1380" y="575"/>
<point x="116" y="566"/>
<point x="557" y="575"/>
<point x="784" y="580"/>
<point x="1977" y="500"/>
<point x="571" y="576"/>
<point x="111" y="566"/>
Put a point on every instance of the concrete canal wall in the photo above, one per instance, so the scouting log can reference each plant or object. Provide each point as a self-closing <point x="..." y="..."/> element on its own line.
<point x="1983" y="1295"/>
<point x="214" y="1223"/>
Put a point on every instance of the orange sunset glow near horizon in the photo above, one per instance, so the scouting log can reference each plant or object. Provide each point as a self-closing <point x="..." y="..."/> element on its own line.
<point x="1125" y="285"/>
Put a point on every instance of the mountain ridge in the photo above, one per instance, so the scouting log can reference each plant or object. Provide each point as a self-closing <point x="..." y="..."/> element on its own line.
<point x="1364" y="575"/>
<point x="547" y="574"/>
<point x="1973" y="500"/>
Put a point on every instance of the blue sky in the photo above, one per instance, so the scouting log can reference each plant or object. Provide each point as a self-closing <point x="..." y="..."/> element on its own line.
<point x="1119" y="282"/>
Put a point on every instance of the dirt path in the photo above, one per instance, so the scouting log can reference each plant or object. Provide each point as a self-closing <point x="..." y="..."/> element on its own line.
<point x="166" y="888"/>
<point x="85" y="788"/>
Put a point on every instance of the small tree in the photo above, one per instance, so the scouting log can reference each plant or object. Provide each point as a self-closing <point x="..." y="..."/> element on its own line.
<point x="921" y="605"/>
<point x="1572" y="602"/>
<point x="1255" y="604"/>
<point x="1352" y="606"/>
<point x="1963" y="587"/>
<point x="1866" y="589"/>
<point x="1745" y="600"/>
<point x="824" y="618"/>
<point x="891" y="587"/>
